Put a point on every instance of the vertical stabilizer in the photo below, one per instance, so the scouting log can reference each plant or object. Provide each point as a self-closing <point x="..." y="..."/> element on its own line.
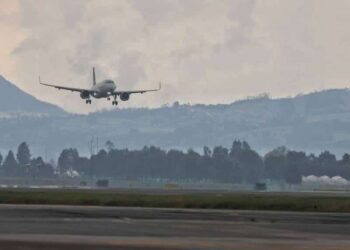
<point x="93" y="76"/>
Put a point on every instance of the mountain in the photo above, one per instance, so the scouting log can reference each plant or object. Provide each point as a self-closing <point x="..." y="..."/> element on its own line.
<point x="15" y="101"/>
<point x="312" y="122"/>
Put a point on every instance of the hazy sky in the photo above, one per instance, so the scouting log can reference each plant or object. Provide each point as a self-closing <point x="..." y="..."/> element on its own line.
<point x="205" y="51"/>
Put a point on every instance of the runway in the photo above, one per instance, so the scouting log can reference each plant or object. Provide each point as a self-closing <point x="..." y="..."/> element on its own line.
<point x="68" y="227"/>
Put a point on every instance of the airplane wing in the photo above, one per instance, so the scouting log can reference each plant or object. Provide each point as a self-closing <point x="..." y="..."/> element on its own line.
<point x="119" y="92"/>
<point x="65" y="88"/>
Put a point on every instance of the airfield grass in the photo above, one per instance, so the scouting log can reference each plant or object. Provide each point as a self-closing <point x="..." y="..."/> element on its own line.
<point x="243" y="201"/>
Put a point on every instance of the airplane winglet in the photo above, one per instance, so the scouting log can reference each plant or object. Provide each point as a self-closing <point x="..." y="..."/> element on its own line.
<point x="40" y="80"/>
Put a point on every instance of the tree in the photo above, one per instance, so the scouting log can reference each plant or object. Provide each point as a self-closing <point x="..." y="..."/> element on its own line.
<point x="236" y="148"/>
<point x="344" y="169"/>
<point x="206" y="151"/>
<point x="327" y="163"/>
<point x="295" y="162"/>
<point x="10" y="165"/>
<point x="109" y="145"/>
<point x="245" y="146"/>
<point x="345" y="159"/>
<point x="192" y="164"/>
<point x="176" y="168"/>
<point x="225" y="168"/>
<point x="99" y="164"/>
<point x="23" y="154"/>
<point x="251" y="165"/>
<point x="38" y="168"/>
<point x="327" y="159"/>
<point x="67" y="160"/>
<point x="275" y="163"/>
<point x="220" y="153"/>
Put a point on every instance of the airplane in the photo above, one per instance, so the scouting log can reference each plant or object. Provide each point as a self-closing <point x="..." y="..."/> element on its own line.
<point x="104" y="89"/>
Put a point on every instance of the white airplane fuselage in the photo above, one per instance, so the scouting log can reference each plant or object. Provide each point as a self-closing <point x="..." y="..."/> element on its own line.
<point x="103" y="89"/>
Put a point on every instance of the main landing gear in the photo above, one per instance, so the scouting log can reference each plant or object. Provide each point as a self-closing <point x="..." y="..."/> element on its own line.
<point x="88" y="101"/>
<point x="115" y="102"/>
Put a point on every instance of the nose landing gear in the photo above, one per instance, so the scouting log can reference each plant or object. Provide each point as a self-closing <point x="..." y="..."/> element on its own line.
<point x="88" y="101"/>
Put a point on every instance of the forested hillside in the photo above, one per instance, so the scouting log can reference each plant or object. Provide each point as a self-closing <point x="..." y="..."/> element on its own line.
<point x="313" y="122"/>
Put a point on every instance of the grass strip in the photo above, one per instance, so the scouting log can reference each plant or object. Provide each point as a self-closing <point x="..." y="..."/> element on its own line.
<point x="242" y="201"/>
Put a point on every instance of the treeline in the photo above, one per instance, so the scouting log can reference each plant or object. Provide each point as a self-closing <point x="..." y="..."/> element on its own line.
<point x="238" y="164"/>
<point x="24" y="165"/>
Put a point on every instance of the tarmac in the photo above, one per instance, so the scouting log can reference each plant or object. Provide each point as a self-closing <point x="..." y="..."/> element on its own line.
<point x="27" y="227"/>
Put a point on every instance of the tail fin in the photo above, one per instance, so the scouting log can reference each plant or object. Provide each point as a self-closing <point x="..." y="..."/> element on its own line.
<point x="93" y="76"/>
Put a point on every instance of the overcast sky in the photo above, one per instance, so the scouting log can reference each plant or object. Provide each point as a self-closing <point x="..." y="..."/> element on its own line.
<point x="205" y="51"/>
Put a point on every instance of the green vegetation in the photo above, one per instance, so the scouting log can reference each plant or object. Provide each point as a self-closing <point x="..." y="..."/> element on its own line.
<point x="239" y="164"/>
<point x="244" y="201"/>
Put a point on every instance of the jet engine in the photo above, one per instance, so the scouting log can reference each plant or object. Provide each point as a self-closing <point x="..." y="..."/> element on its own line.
<point x="124" y="96"/>
<point x="85" y="95"/>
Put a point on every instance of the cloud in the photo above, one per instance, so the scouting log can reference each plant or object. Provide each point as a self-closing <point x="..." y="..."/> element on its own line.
<point x="204" y="50"/>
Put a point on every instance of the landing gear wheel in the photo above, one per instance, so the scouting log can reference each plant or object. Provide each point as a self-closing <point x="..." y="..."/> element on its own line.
<point x="114" y="102"/>
<point x="88" y="101"/>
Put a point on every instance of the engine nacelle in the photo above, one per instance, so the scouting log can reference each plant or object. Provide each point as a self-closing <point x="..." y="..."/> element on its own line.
<point x="124" y="96"/>
<point x="85" y="95"/>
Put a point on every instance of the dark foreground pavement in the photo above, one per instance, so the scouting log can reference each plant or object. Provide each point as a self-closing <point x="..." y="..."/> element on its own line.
<point x="64" y="227"/>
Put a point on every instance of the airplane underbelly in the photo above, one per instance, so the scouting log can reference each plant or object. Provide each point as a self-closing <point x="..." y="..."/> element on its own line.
<point x="97" y="96"/>
<point x="103" y="93"/>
